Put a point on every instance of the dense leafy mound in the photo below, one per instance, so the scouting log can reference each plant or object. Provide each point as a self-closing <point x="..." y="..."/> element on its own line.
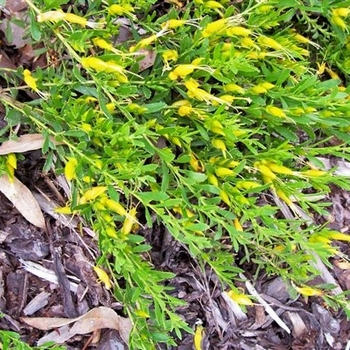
<point x="212" y="120"/>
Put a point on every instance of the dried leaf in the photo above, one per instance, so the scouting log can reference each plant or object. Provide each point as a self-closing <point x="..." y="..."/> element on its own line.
<point x="148" y="60"/>
<point x="21" y="197"/>
<point x="103" y="317"/>
<point x="98" y="318"/>
<point x="29" y="142"/>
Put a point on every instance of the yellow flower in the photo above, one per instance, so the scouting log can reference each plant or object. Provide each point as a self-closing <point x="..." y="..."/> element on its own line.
<point x="223" y="172"/>
<point x="120" y="10"/>
<point x="183" y="70"/>
<point x="213" y="4"/>
<point x="103" y="277"/>
<point x="114" y="206"/>
<point x="57" y="16"/>
<point x="129" y="222"/>
<point x="269" y="42"/>
<point x="240" y="298"/>
<point x="238" y="31"/>
<point x="92" y="193"/>
<point x="265" y="171"/>
<point x="237" y="225"/>
<point x="339" y="22"/>
<point x="101" y="66"/>
<point x="213" y="180"/>
<point x="275" y="111"/>
<point x="232" y="87"/>
<point x="225" y="198"/>
<point x="279" y="169"/>
<point x="170" y="55"/>
<point x="185" y="111"/>
<point x="313" y="173"/>
<point x="215" y="28"/>
<point x="341" y="12"/>
<point x="198" y="337"/>
<point x="308" y="291"/>
<point x="148" y="41"/>
<point x="175" y="23"/>
<point x="247" y="185"/>
<point x="70" y="168"/>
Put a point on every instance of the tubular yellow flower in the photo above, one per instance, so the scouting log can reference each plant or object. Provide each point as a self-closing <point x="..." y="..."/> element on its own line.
<point x="284" y="197"/>
<point x="30" y="80"/>
<point x="148" y="41"/>
<point x="185" y="69"/>
<point x="211" y="4"/>
<point x="275" y="111"/>
<point x="125" y="9"/>
<point x="240" y="298"/>
<point x="181" y="71"/>
<point x="213" y="180"/>
<point x="217" y="27"/>
<point x="70" y="168"/>
<point x="237" y="225"/>
<point x="308" y="291"/>
<point x="313" y="173"/>
<point x="57" y="16"/>
<point x="129" y="222"/>
<point x="341" y="12"/>
<point x="185" y="111"/>
<point x="175" y="23"/>
<point x="279" y="169"/>
<point x="103" y="44"/>
<point x="216" y="127"/>
<point x="247" y="185"/>
<point x="248" y="42"/>
<point x="266" y="85"/>
<point x="170" y="55"/>
<point x="227" y="98"/>
<point x="11" y="165"/>
<point x="219" y="144"/>
<point x="339" y="22"/>
<point x="223" y="172"/>
<point x="101" y="66"/>
<point x="114" y="206"/>
<point x="63" y="210"/>
<point x="238" y="31"/>
<point x="196" y="164"/>
<point x="198" y="337"/>
<point x="264" y="9"/>
<point x="191" y="84"/>
<point x="225" y="198"/>
<point x="338" y="236"/>
<point x="92" y="193"/>
<point x="265" y="171"/>
<point x="103" y="277"/>
<point x="269" y="42"/>
<point x="232" y="87"/>
<point x="258" y="90"/>
<point x="180" y="103"/>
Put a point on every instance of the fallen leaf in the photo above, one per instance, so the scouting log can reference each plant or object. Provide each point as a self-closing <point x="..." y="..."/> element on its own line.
<point x="103" y="317"/>
<point x="98" y="318"/>
<point x="29" y="142"/>
<point x="148" y="60"/>
<point x="21" y="197"/>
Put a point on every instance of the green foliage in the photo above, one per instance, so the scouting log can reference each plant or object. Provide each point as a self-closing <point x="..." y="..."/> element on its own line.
<point x="230" y="117"/>
<point x="11" y="340"/>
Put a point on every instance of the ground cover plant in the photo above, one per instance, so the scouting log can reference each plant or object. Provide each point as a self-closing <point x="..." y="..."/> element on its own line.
<point x="210" y="120"/>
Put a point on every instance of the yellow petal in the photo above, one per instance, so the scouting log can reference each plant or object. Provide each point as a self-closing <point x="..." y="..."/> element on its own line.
<point x="240" y="298"/>
<point x="70" y="168"/>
